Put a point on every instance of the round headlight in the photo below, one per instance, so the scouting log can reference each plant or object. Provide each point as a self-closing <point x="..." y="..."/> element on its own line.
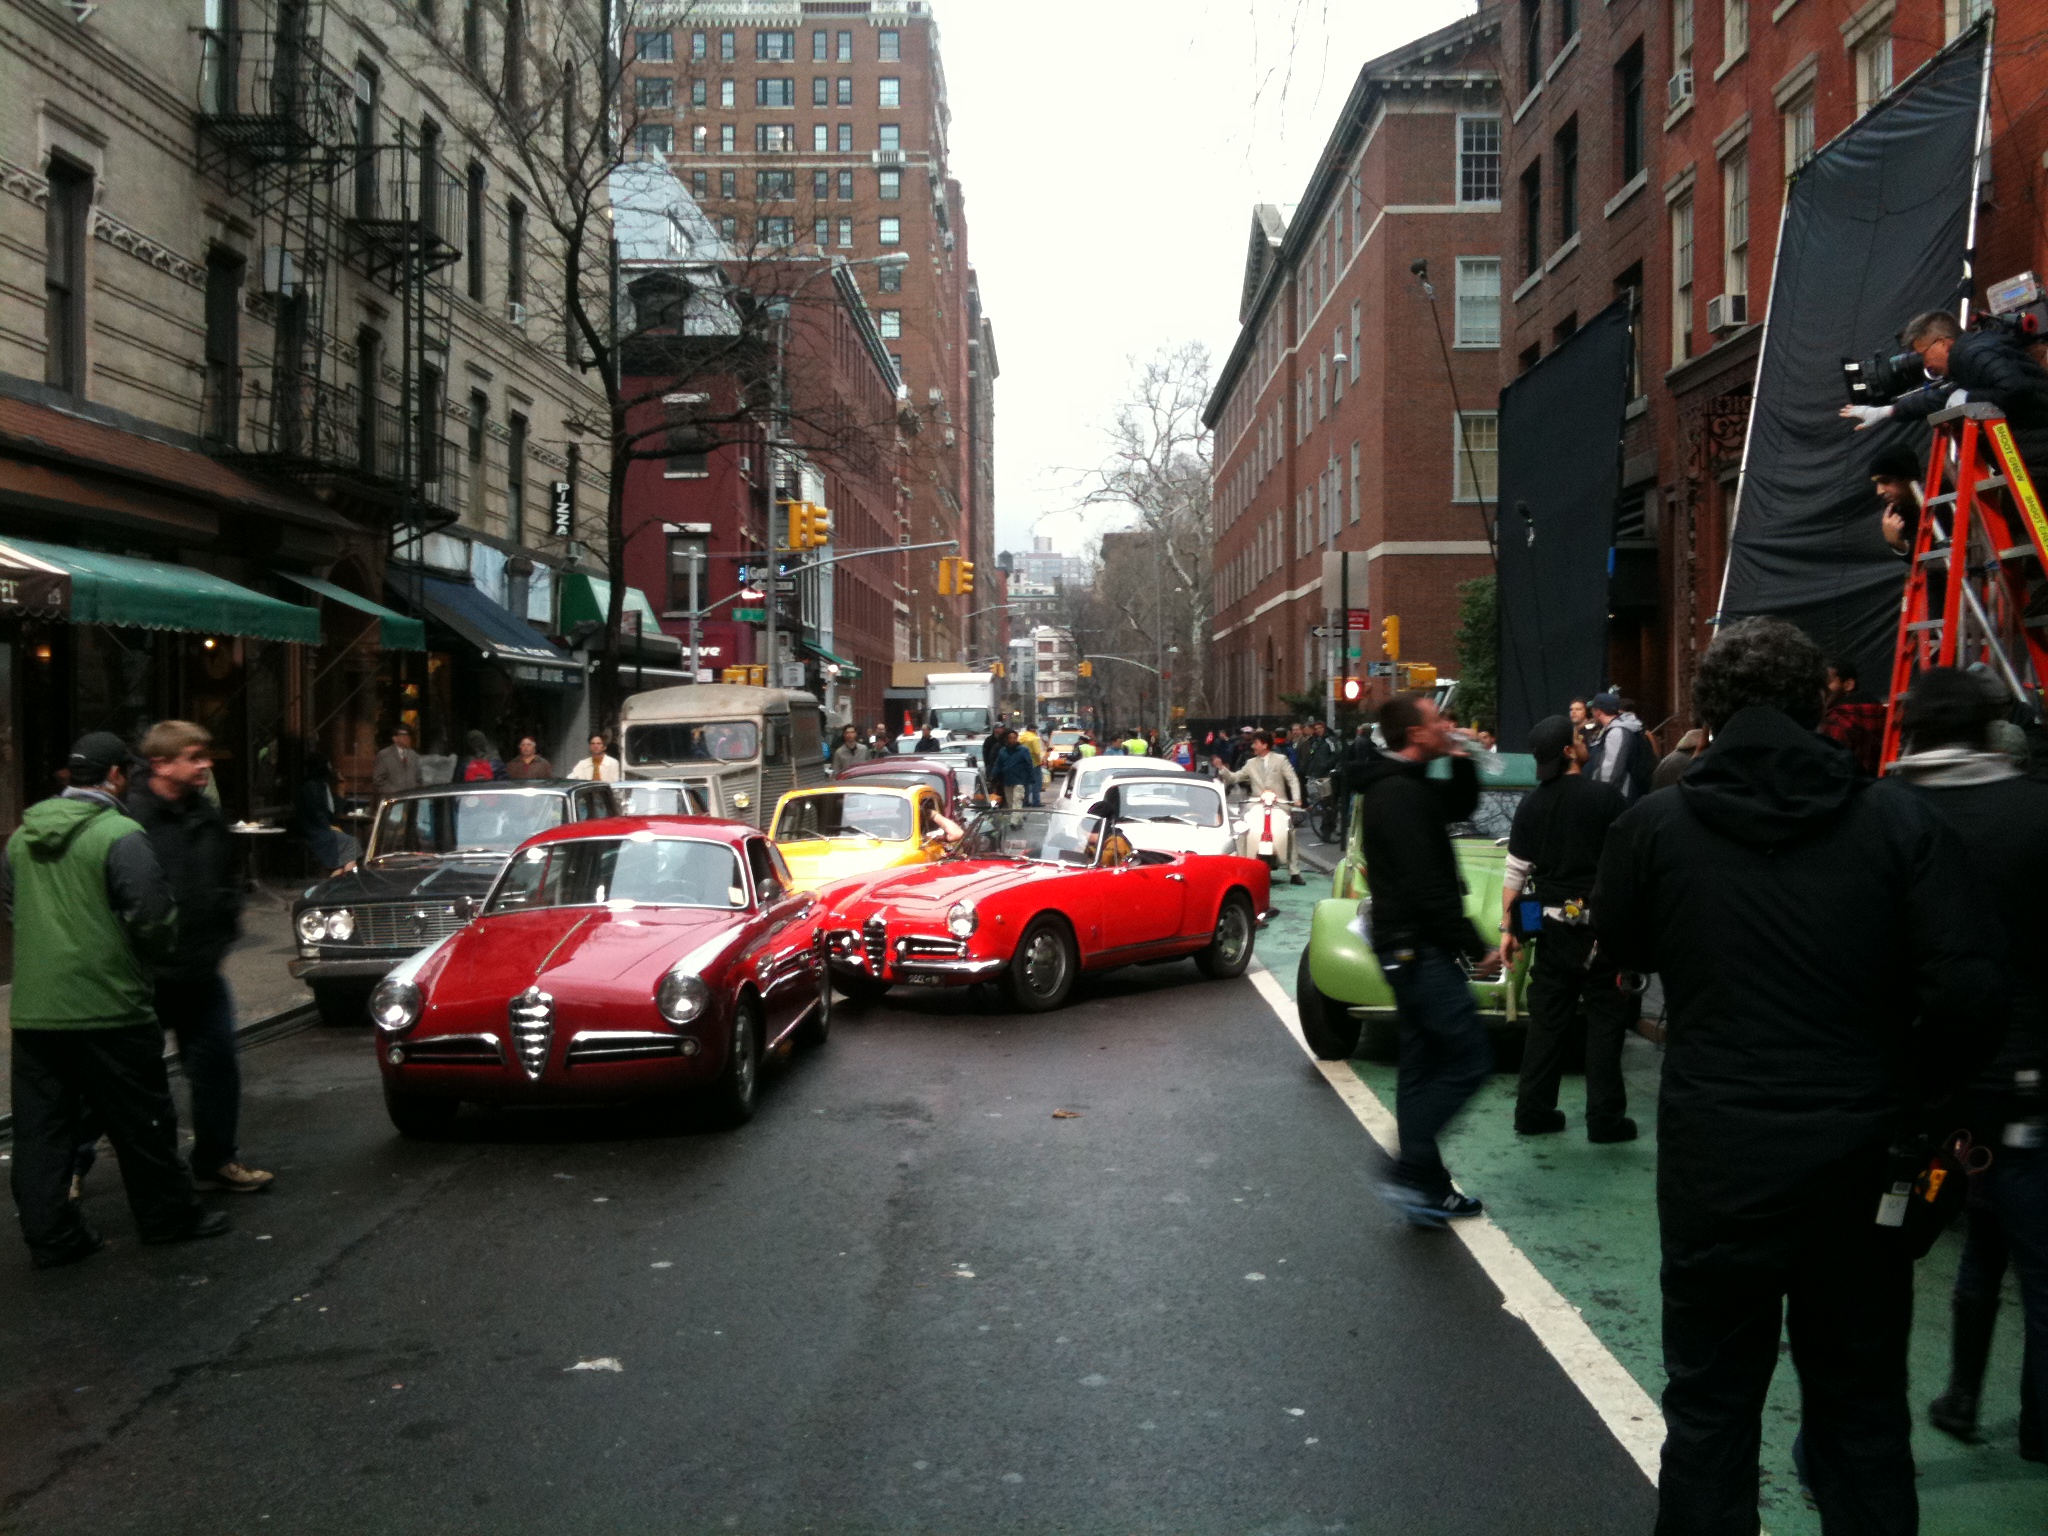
<point x="312" y="925"/>
<point x="341" y="925"/>
<point x="742" y="800"/>
<point x="962" y="920"/>
<point x="681" y="997"/>
<point x="395" y="1005"/>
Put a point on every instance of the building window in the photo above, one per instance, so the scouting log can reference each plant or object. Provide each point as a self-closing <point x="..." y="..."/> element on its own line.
<point x="515" y="478"/>
<point x="515" y="251"/>
<point x="1735" y="221"/>
<point x="728" y="184"/>
<point x="225" y="271"/>
<point x="1681" y="279"/>
<point x="1532" y="44"/>
<point x="700" y="139"/>
<point x="473" y="253"/>
<point x="821" y="47"/>
<point x="843" y="184"/>
<point x="891" y="231"/>
<point x="479" y="429"/>
<point x="658" y="140"/>
<point x="728" y="94"/>
<point x="846" y="147"/>
<point x="845" y="55"/>
<point x="891" y="91"/>
<point x="515" y="52"/>
<point x="1357" y="337"/>
<point x="1734" y="29"/>
<point x="654" y="47"/>
<point x="1475" y="438"/>
<point x="1478" y="159"/>
<point x="888" y="279"/>
<point x="1532" y="219"/>
<point x="699" y="46"/>
<point x="1567" y="21"/>
<point x="700" y="185"/>
<point x="774" y="138"/>
<point x="1628" y="288"/>
<point x="821" y="91"/>
<point x="845" y="90"/>
<point x="890" y="46"/>
<point x="774" y="186"/>
<point x="700" y="93"/>
<point x="777" y="231"/>
<point x="891" y="185"/>
<point x="473" y="33"/>
<point x="891" y="322"/>
<point x="771" y="91"/>
<point x="1873" y="69"/>
<point x="821" y="231"/>
<point x="1629" y="88"/>
<point x="729" y="229"/>
<point x="369" y="352"/>
<point x="821" y="143"/>
<point x="688" y="560"/>
<point x="775" y="47"/>
<point x="728" y="47"/>
<point x="1958" y="16"/>
<point x="427" y="428"/>
<point x="728" y="139"/>
<point x="1479" y="301"/>
<point x="1567" y="147"/>
<point x="1797" y="120"/>
<point x="889" y="136"/>
<point x="656" y="93"/>
<point x="821" y="185"/>
<point x="220" y="45"/>
<point x="1354" y="482"/>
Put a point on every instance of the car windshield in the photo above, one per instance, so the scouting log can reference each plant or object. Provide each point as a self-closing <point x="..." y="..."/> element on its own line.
<point x="1039" y="836"/>
<point x="637" y="870"/>
<point x="843" y="813"/>
<point x="496" y="822"/>
<point x="662" y="799"/>
<point x="714" y="741"/>
<point x="1493" y="817"/>
<point x="1193" y="804"/>
<point x="972" y="721"/>
<point x="1066" y="738"/>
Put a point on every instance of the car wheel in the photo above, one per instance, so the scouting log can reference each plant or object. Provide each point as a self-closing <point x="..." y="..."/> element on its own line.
<point x="419" y="1116"/>
<point x="342" y="1007"/>
<point x="1326" y="1024"/>
<point x="1230" y="948"/>
<point x="1041" y="972"/>
<point x="818" y="1026"/>
<point x="731" y="1099"/>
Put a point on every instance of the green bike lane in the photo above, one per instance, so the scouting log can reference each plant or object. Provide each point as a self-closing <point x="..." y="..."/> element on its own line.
<point x="1586" y="1217"/>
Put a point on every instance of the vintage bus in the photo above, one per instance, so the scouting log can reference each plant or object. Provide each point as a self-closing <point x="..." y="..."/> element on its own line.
<point x="755" y="743"/>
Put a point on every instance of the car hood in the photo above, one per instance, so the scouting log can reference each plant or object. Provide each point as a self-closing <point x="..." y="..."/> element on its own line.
<point x="930" y="889"/>
<point x="812" y="864"/>
<point x="407" y="877"/>
<point x="595" y="957"/>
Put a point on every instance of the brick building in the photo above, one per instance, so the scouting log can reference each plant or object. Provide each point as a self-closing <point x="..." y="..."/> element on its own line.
<point x="820" y="127"/>
<point x="1341" y="423"/>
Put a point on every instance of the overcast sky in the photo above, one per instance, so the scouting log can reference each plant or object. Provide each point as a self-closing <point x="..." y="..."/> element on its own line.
<point x="1111" y="154"/>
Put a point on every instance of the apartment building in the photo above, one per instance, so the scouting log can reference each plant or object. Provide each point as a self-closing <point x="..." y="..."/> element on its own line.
<point x="282" y="447"/>
<point x="821" y="127"/>
<point x="1355" y="413"/>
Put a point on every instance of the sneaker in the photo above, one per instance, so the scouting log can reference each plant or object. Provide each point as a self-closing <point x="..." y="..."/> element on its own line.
<point x="83" y="1245"/>
<point x="1425" y="1210"/>
<point x="1538" y="1122"/>
<point x="1954" y="1413"/>
<point x="1296" y="880"/>
<point x="236" y="1179"/>
<point x="1623" y="1129"/>
<point x="202" y="1224"/>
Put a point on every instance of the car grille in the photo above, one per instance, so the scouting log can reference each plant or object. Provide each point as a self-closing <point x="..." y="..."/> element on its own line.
<point x="455" y="1051"/>
<point x="876" y="938"/>
<point x="407" y="925"/>
<point x="913" y="946"/>
<point x="621" y="1046"/>
<point x="532" y="1015"/>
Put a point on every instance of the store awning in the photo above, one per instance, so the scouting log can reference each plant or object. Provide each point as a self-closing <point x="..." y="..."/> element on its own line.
<point x="846" y="668"/>
<point x="31" y="588"/>
<point x="148" y="594"/>
<point x="395" y="632"/>
<point x="588" y="599"/>
<point x="495" y="632"/>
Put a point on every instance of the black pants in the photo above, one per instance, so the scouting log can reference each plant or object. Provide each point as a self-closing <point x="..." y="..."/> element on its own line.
<point x="202" y="1015"/>
<point x="1846" y="1300"/>
<point x="118" y="1077"/>
<point x="1561" y="978"/>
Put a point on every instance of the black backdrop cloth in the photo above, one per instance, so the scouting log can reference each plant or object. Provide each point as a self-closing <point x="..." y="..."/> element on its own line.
<point x="1875" y="231"/>
<point x="1560" y="475"/>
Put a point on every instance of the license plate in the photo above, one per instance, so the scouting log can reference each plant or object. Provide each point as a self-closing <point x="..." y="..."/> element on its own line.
<point x="923" y="981"/>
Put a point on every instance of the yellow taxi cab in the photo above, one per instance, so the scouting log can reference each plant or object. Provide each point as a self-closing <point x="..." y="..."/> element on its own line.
<point x="1062" y="748"/>
<point x="855" y="829"/>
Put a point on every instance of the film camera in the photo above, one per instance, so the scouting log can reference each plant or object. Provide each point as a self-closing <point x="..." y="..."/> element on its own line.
<point x="2017" y="307"/>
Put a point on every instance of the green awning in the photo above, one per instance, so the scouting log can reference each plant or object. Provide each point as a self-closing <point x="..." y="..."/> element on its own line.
<point x="589" y="598"/>
<point x="148" y="594"/>
<point x="846" y="668"/>
<point x="395" y="632"/>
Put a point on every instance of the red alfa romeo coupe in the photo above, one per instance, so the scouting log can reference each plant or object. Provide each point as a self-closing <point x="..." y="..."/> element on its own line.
<point x="1035" y="898"/>
<point x="625" y="958"/>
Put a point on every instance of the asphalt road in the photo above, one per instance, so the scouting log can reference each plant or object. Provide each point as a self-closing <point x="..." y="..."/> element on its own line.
<point x="905" y="1298"/>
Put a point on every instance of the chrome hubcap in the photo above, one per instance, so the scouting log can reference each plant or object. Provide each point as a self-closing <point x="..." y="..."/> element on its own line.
<point x="1045" y="964"/>
<point x="1233" y="933"/>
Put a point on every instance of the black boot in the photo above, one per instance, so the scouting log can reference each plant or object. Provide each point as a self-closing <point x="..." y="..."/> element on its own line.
<point x="1955" y="1411"/>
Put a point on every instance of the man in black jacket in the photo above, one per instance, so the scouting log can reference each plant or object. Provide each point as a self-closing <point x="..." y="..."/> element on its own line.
<point x="1828" y="964"/>
<point x="2002" y="819"/>
<point x="1993" y="365"/>
<point x="1553" y="856"/>
<point x="1420" y="932"/>
<point x="192" y="1000"/>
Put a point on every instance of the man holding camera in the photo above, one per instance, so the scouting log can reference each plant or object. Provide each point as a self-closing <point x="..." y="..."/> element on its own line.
<point x="1992" y="365"/>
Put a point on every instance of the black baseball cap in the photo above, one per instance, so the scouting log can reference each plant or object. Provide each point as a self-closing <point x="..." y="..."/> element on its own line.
<point x="1548" y="739"/>
<point x="94" y="754"/>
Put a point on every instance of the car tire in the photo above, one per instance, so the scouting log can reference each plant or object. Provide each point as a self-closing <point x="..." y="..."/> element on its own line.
<point x="817" y="1028"/>
<point x="1042" y="970"/>
<point x="1326" y="1024"/>
<point x="730" y="1099"/>
<point x="421" y="1117"/>
<point x="342" y="1006"/>
<point x="1230" y="948"/>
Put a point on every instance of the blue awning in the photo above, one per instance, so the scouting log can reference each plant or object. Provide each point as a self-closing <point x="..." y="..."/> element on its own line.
<point x="496" y="633"/>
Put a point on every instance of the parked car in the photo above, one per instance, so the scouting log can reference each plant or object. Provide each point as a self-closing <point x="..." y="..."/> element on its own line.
<point x="1062" y="751"/>
<point x="1083" y="787"/>
<point x="1170" y="812"/>
<point x="1034" y="898"/>
<point x="857" y="826"/>
<point x="958" y="783"/>
<point x="613" y="959"/>
<point x="433" y="856"/>
<point x="1341" y="995"/>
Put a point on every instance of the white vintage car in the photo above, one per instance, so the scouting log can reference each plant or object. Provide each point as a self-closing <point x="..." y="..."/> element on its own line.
<point x="1170" y="812"/>
<point x="1083" y="787"/>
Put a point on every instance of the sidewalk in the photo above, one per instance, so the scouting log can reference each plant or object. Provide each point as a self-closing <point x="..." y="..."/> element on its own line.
<point x="255" y="968"/>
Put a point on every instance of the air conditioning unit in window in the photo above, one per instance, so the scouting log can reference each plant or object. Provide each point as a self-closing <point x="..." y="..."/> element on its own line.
<point x="1679" y="89"/>
<point x="1727" y="312"/>
<point x="515" y="312"/>
<point x="888" y="157"/>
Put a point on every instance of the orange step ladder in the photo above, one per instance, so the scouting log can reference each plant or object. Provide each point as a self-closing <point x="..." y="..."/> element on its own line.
<point x="1977" y="592"/>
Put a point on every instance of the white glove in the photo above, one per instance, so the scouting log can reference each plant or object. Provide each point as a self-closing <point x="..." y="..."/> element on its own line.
<point x="1958" y="397"/>
<point x="1867" y="415"/>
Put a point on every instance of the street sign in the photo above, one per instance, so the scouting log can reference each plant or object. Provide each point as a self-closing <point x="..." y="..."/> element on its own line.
<point x="750" y="615"/>
<point x="1379" y="669"/>
<point x="785" y="585"/>
<point x="1323" y="632"/>
<point x="1358" y="618"/>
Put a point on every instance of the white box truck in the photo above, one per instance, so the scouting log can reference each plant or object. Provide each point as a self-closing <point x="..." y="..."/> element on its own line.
<point x="960" y="707"/>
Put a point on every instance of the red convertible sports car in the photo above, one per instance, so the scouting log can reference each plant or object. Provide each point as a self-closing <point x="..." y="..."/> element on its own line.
<point x="1035" y="898"/>
<point x="614" y="959"/>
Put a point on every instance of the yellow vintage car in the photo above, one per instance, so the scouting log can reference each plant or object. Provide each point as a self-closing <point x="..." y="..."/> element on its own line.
<point x="855" y="829"/>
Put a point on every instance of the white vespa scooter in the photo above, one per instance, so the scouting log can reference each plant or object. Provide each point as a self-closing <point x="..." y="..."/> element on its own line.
<point x="1265" y="829"/>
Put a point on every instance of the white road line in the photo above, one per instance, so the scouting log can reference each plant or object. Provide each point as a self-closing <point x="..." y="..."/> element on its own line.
<point x="1627" y="1410"/>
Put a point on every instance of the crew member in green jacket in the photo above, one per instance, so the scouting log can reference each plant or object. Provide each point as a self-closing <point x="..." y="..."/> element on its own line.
<point x="91" y="910"/>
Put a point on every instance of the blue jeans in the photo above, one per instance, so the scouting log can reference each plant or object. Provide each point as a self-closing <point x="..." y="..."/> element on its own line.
<point x="1445" y="1059"/>
<point x="202" y="1016"/>
<point x="2009" y="1224"/>
<point x="1031" y="790"/>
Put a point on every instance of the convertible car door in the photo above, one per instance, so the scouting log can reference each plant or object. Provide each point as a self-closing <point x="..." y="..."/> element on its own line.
<point x="787" y="982"/>
<point x="1143" y="895"/>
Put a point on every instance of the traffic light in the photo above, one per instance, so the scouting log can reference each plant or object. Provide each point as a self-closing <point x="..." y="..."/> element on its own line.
<point x="1350" y="690"/>
<point x="817" y="526"/>
<point x="946" y="563"/>
<point x="963" y="576"/>
<point x="1390" y="637"/>
<point x="1087" y="669"/>
<point x="1416" y="676"/>
<point x="796" y="511"/>
<point x="997" y="669"/>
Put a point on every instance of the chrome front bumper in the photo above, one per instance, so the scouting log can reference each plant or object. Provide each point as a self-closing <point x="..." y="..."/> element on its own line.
<point x="371" y="968"/>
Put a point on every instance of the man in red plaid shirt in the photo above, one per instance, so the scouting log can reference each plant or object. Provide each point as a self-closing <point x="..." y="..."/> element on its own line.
<point x="1853" y="719"/>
